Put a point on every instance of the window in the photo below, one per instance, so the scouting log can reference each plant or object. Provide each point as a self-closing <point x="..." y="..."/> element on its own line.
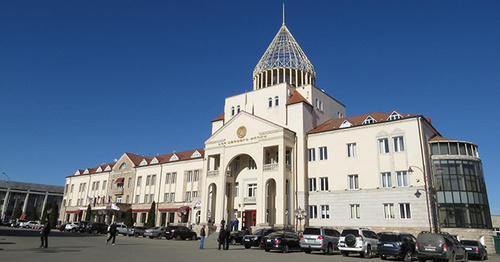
<point x="270" y="100"/>
<point x="127" y="199"/>
<point x="251" y="164"/>
<point x="389" y="211"/>
<point x="353" y="181"/>
<point x="153" y="180"/>
<point x="188" y="196"/>
<point x="118" y="199"/>
<point x="137" y="199"/>
<point x="194" y="194"/>
<point x="174" y="177"/>
<point x="167" y="178"/>
<point x="325" y="212"/>
<point x="252" y="190"/>
<point x="312" y="184"/>
<point x="139" y="180"/>
<point x="236" y="189"/>
<point x="232" y="111"/>
<point x="148" y="179"/>
<point x="313" y="212"/>
<point x="276" y="101"/>
<point x="404" y="210"/>
<point x="386" y="180"/>
<point x="172" y="197"/>
<point x="151" y="197"/>
<point x="323" y="155"/>
<point x="196" y="175"/>
<point x="238" y="109"/>
<point x="93" y="186"/>
<point x="165" y="197"/>
<point x="402" y="178"/>
<point x="104" y="184"/>
<point x="369" y="120"/>
<point x="394" y="116"/>
<point x="146" y="198"/>
<point x="323" y="183"/>
<point x="97" y="185"/>
<point x="190" y="176"/>
<point x="311" y="154"/>
<point x="383" y="146"/>
<point x="355" y="211"/>
<point x="73" y="186"/>
<point x="399" y="145"/>
<point x="351" y="150"/>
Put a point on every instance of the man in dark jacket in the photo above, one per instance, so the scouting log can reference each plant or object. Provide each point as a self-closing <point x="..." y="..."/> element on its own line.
<point x="227" y="234"/>
<point x="44" y="234"/>
<point x="202" y="235"/>
<point x="112" y="233"/>
<point x="222" y="237"/>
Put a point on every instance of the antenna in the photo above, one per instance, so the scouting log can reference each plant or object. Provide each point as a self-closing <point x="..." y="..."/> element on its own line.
<point x="283" y="13"/>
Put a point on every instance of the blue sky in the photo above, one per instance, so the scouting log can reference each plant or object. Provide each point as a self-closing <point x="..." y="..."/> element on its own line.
<point x="82" y="82"/>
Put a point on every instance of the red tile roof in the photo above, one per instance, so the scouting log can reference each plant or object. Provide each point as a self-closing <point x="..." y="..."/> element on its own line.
<point x="221" y="117"/>
<point x="440" y="138"/>
<point x="358" y="120"/>
<point x="296" y="98"/>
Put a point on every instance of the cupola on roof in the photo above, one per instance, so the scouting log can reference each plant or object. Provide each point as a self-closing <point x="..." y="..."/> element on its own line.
<point x="283" y="61"/>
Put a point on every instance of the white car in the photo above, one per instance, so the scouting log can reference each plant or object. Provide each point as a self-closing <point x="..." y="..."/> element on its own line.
<point x="73" y="226"/>
<point x="31" y="224"/>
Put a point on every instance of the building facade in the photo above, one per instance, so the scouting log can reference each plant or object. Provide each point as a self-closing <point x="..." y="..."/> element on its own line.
<point x="286" y="155"/>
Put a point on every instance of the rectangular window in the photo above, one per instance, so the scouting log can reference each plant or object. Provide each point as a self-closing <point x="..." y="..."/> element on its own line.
<point x="151" y="198"/>
<point x="72" y="187"/>
<point x="355" y="211"/>
<point x="104" y="184"/>
<point x="167" y="178"/>
<point x="137" y="199"/>
<point x="323" y="154"/>
<point x="194" y="194"/>
<point x="404" y="211"/>
<point x="389" y="211"/>
<point x="188" y="196"/>
<point x="196" y="175"/>
<point x="383" y="146"/>
<point x="402" y="177"/>
<point x="174" y="177"/>
<point x="323" y="183"/>
<point x="399" y="145"/>
<point x="139" y="180"/>
<point x="236" y="189"/>
<point x="252" y="190"/>
<point x="146" y="198"/>
<point x="172" y="197"/>
<point x="325" y="212"/>
<point x="118" y="199"/>
<point x="312" y="184"/>
<point x="148" y="178"/>
<point x="93" y="186"/>
<point x="385" y="179"/>
<point x="165" y="198"/>
<point x="153" y="180"/>
<point x="190" y="176"/>
<point x="351" y="150"/>
<point x="97" y="185"/>
<point x="313" y="212"/>
<point x="311" y="154"/>
<point x="353" y="181"/>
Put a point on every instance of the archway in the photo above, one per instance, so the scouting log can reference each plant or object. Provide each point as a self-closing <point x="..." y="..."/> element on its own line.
<point x="212" y="202"/>
<point x="271" y="202"/>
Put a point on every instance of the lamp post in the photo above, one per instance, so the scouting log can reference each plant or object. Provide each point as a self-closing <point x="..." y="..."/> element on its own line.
<point x="300" y="214"/>
<point x="430" y="197"/>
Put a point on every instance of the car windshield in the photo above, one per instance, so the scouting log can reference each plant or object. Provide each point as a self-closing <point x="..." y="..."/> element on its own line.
<point x="259" y="232"/>
<point x="312" y="231"/>
<point x="469" y="243"/>
<point x="389" y="238"/>
<point x="350" y="231"/>
<point x="275" y="234"/>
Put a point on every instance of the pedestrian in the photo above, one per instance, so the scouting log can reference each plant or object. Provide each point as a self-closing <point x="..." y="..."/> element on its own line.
<point x="222" y="237"/>
<point x="247" y="232"/>
<point x="202" y="235"/>
<point x="235" y="224"/>
<point x="112" y="233"/>
<point x="226" y="237"/>
<point x="222" y="224"/>
<point x="44" y="234"/>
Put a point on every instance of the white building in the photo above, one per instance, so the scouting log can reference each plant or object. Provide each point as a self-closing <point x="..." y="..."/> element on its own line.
<point x="287" y="146"/>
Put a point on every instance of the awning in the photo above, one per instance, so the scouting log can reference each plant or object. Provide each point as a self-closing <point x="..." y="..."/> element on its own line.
<point x="184" y="208"/>
<point x="79" y="212"/>
<point x="119" y="180"/>
<point x="168" y="209"/>
<point x="140" y="210"/>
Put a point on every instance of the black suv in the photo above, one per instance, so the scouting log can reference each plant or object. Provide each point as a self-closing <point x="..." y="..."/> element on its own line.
<point x="439" y="246"/>
<point x="236" y="237"/>
<point x="82" y="227"/>
<point x="397" y="245"/>
<point x="254" y="239"/>
<point x="97" y="228"/>
<point x="179" y="232"/>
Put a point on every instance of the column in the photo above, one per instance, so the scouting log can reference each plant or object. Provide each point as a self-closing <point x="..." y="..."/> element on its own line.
<point x="5" y="203"/>
<point x="25" y="205"/>
<point x="272" y="76"/>
<point x="45" y="201"/>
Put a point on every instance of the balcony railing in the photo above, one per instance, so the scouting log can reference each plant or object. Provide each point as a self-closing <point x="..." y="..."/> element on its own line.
<point x="117" y="191"/>
<point x="213" y="173"/>
<point x="271" y="167"/>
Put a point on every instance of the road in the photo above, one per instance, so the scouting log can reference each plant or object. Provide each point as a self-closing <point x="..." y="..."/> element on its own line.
<point x="22" y="245"/>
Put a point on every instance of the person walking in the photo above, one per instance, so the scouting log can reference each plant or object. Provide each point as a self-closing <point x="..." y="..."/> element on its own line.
<point x="202" y="235"/>
<point x="227" y="233"/>
<point x="112" y="233"/>
<point x="44" y="234"/>
<point x="222" y="237"/>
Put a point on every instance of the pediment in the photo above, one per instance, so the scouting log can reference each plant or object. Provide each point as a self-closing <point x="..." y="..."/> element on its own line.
<point x="243" y="126"/>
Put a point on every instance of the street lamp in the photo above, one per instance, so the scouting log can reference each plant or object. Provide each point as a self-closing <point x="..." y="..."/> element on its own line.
<point x="430" y="197"/>
<point x="300" y="214"/>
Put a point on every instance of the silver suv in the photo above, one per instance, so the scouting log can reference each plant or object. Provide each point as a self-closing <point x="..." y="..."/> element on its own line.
<point x="320" y="239"/>
<point x="362" y="241"/>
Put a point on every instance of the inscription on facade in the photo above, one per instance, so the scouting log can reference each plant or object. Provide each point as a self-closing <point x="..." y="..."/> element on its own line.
<point x="241" y="140"/>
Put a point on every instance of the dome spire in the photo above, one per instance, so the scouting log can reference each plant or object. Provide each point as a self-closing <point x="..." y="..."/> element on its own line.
<point x="283" y="14"/>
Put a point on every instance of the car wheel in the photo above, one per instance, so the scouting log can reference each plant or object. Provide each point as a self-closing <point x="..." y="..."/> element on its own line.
<point x="158" y="236"/>
<point x="308" y="251"/>
<point x="194" y="237"/>
<point x="247" y="246"/>
<point x="344" y="253"/>
<point x="267" y="250"/>
<point x="178" y="237"/>
<point x="286" y="248"/>
<point x="151" y="237"/>
<point x="73" y="230"/>
<point x="329" y="249"/>
<point x="407" y="257"/>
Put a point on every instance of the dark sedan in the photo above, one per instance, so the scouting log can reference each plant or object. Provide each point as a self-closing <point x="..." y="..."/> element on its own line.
<point x="236" y="237"/>
<point x="282" y="241"/>
<point x="136" y="231"/>
<point x="179" y="233"/>
<point x="400" y="246"/>
<point x="475" y="249"/>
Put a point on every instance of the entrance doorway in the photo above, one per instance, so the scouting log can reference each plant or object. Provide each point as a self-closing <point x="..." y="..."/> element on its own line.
<point x="249" y="219"/>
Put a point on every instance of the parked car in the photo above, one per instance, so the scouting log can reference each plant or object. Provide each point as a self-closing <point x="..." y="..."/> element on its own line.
<point x="83" y="226"/>
<point x="236" y="237"/>
<point x="475" y="249"/>
<point x="319" y="239"/>
<point x="97" y="228"/>
<point x="72" y="226"/>
<point x="17" y="222"/>
<point x="122" y="229"/>
<point x="254" y="239"/>
<point x="136" y="231"/>
<point x="283" y="241"/>
<point x="154" y="232"/>
<point x="362" y="241"/>
<point x="32" y="225"/>
<point x="179" y="232"/>
<point x="439" y="246"/>
<point x="397" y="245"/>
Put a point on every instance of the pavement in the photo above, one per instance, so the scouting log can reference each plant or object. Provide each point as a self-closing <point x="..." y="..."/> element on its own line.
<point x="22" y="245"/>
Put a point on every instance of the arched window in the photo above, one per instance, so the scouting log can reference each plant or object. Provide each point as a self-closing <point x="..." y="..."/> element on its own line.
<point x="276" y="101"/>
<point x="237" y="109"/>
<point x="270" y="102"/>
<point x="232" y="111"/>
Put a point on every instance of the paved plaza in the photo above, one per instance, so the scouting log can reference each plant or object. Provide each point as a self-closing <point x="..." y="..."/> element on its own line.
<point x="22" y="245"/>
